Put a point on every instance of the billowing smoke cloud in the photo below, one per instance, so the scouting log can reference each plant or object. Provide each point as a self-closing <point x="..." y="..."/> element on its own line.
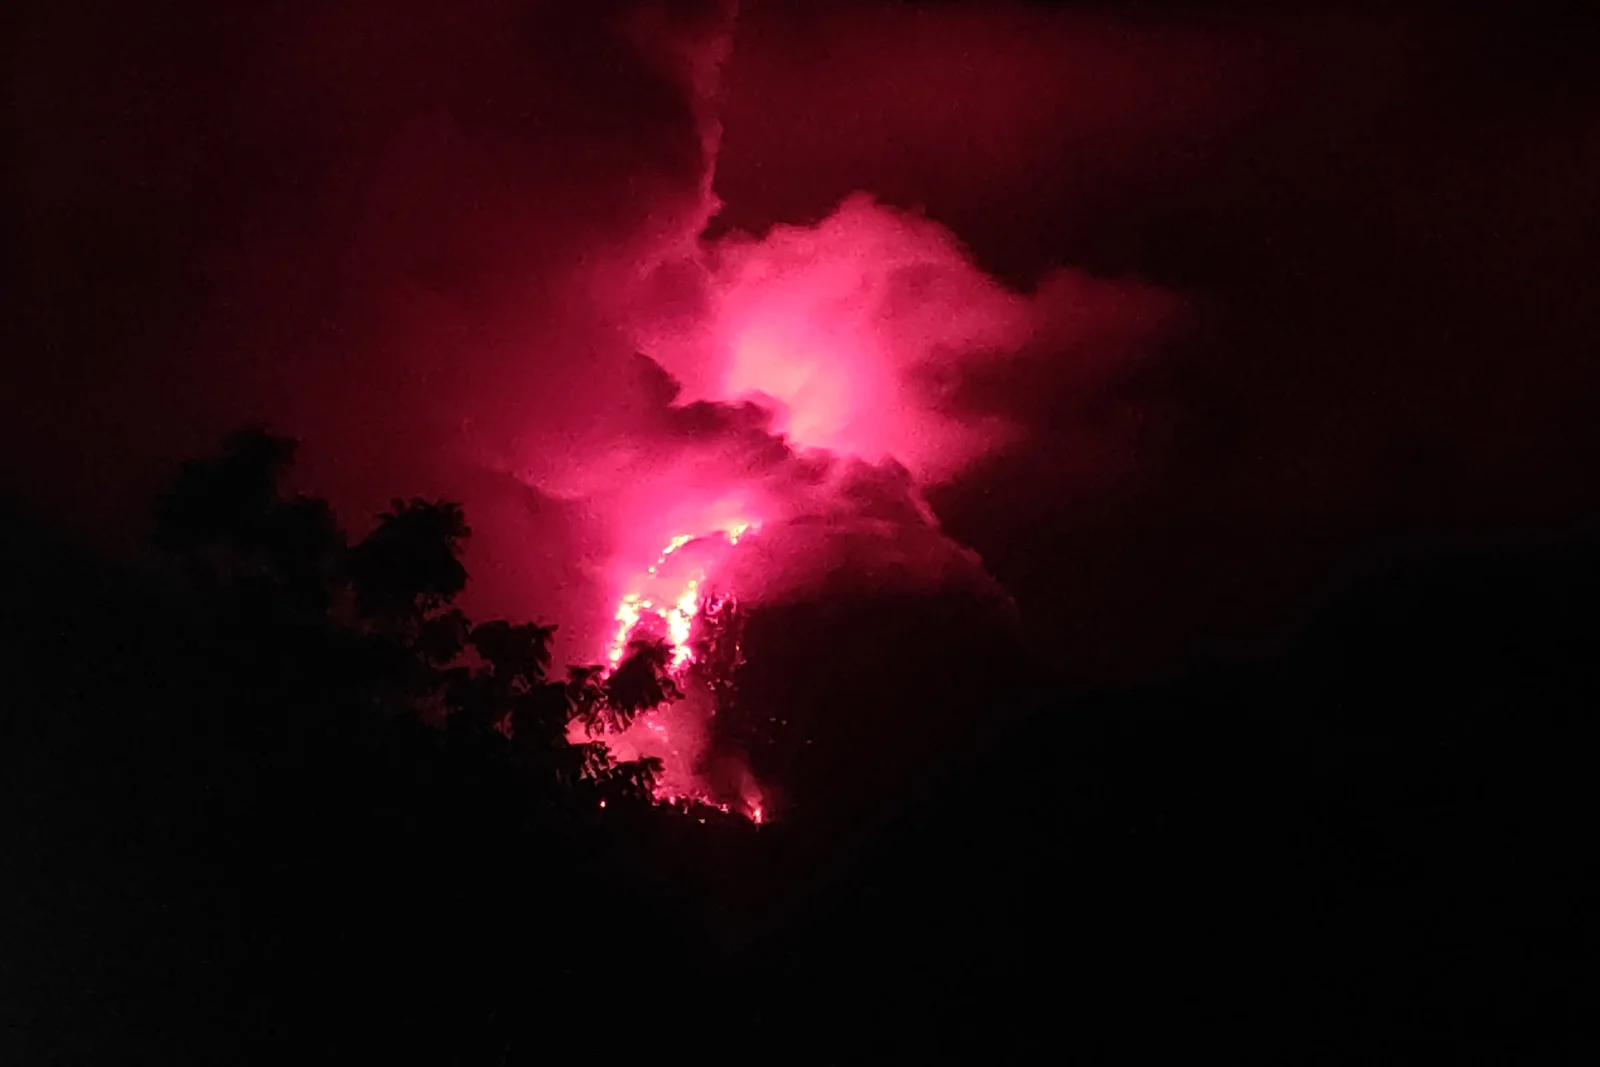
<point x="783" y="370"/>
<point x="435" y="242"/>
<point x="1157" y="314"/>
<point x="1382" y="222"/>
<point x="810" y="382"/>
<point x="846" y="332"/>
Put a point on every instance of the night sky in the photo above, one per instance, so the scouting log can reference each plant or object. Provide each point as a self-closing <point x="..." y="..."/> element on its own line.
<point x="1317" y="282"/>
<point x="1104" y="339"/>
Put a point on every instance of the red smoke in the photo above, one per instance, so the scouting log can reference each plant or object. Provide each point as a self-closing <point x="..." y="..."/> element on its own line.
<point x="814" y="378"/>
<point x="823" y="375"/>
<point x="602" y="272"/>
<point x="850" y="333"/>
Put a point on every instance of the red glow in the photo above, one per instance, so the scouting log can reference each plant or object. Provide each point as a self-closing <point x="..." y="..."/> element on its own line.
<point x="849" y="332"/>
<point x="668" y="596"/>
<point x="849" y="336"/>
<point x="665" y="601"/>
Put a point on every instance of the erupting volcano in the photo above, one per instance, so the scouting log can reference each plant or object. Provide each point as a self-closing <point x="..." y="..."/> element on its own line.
<point x="675" y="604"/>
<point x="671" y="593"/>
<point x="808" y="388"/>
<point x="812" y="382"/>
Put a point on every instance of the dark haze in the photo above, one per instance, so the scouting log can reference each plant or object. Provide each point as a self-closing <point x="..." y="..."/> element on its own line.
<point x="1145" y="338"/>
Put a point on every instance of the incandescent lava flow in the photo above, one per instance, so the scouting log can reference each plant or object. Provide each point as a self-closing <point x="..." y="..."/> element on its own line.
<point x="675" y="604"/>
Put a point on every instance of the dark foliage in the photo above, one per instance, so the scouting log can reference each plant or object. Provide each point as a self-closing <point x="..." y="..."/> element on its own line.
<point x="262" y="822"/>
<point x="316" y="810"/>
<point x="410" y="565"/>
<point x="640" y="682"/>
<point x="224" y="521"/>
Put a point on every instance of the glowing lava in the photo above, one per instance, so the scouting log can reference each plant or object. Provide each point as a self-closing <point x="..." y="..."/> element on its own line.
<point x="815" y="373"/>
<point x="664" y="603"/>
<point x="674" y="602"/>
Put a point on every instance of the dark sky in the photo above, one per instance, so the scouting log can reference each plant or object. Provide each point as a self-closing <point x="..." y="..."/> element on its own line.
<point x="1330" y="272"/>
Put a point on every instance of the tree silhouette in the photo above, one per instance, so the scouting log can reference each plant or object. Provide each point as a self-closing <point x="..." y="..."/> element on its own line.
<point x="224" y="520"/>
<point x="518" y="654"/>
<point x="586" y="695"/>
<point x="306" y="550"/>
<point x="441" y="638"/>
<point x="410" y="565"/>
<point x="220" y="499"/>
<point x="642" y="681"/>
<point x="378" y="764"/>
<point x="387" y="633"/>
<point x="631" y="781"/>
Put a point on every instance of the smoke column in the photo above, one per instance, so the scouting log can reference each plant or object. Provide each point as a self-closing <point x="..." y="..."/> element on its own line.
<point x="804" y="388"/>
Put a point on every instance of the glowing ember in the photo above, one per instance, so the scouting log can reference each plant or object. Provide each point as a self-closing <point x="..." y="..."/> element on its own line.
<point x="664" y="604"/>
<point x="670" y="599"/>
